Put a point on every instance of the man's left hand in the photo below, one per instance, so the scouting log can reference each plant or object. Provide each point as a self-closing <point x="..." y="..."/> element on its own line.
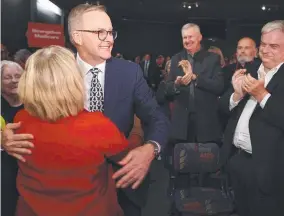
<point x="255" y="87"/>
<point x="135" y="166"/>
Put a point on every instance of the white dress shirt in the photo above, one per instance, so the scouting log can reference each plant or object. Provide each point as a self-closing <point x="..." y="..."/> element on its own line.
<point x="88" y="76"/>
<point x="242" y="136"/>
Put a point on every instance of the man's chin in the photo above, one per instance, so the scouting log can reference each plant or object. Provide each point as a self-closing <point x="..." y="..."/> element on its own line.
<point x="106" y="56"/>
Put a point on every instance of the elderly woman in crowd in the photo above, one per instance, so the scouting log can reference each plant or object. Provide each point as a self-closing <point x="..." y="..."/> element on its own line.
<point x="67" y="173"/>
<point x="10" y="105"/>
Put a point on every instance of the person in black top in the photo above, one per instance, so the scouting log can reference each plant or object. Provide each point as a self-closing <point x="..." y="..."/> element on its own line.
<point x="10" y="105"/>
<point x="246" y="59"/>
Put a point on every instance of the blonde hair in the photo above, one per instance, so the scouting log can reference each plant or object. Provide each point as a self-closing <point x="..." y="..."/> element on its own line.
<point x="218" y="51"/>
<point x="75" y="15"/>
<point x="52" y="86"/>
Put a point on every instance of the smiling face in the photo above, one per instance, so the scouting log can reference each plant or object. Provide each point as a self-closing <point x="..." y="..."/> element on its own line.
<point x="191" y="39"/>
<point x="88" y="44"/>
<point x="271" y="48"/>
<point x="10" y="77"/>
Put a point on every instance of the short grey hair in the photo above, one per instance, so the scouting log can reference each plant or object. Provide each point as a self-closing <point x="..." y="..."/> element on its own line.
<point x="76" y="14"/>
<point x="6" y="63"/>
<point x="22" y="55"/>
<point x="272" y="26"/>
<point x="190" y="25"/>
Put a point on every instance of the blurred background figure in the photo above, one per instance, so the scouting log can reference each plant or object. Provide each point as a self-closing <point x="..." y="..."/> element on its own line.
<point x="168" y="58"/>
<point x="119" y="55"/>
<point x="148" y="68"/>
<point x="21" y="56"/>
<point x="219" y="52"/>
<point x="10" y="105"/>
<point x="137" y="60"/>
<point x="4" y="53"/>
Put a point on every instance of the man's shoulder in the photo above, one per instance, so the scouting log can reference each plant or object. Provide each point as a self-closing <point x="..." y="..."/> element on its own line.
<point x="123" y="62"/>
<point x="125" y="67"/>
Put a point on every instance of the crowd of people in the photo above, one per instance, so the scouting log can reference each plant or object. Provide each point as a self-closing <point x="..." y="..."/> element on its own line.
<point x="82" y="130"/>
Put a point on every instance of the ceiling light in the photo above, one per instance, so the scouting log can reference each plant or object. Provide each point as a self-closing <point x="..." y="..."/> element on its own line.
<point x="196" y="5"/>
<point x="263" y="7"/>
<point x="189" y="7"/>
<point x="46" y="5"/>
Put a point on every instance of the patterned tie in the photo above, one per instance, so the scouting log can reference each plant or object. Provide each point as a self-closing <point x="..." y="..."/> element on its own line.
<point x="96" y="93"/>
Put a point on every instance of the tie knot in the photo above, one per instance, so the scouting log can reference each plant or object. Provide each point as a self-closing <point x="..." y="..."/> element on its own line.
<point x="95" y="71"/>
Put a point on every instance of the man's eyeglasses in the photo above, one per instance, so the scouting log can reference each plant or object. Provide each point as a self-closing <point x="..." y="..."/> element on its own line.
<point x="102" y="34"/>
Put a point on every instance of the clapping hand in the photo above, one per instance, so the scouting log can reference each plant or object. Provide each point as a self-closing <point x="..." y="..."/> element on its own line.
<point x="255" y="87"/>
<point x="237" y="82"/>
<point x="189" y="75"/>
<point x="186" y="66"/>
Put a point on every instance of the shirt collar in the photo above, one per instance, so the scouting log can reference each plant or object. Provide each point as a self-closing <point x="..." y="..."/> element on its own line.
<point x="85" y="67"/>
<point x="271" y="72"/>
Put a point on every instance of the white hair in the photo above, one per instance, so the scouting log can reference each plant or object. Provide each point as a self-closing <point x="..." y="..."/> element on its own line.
<point x="6" y="63"/>
<point x="272" y="26"/>
<point x="190" y="25"/>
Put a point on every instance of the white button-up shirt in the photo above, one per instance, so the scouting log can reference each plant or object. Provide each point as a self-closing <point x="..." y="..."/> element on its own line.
<point x="88" y="76"/>
<point x="242" y="136"/>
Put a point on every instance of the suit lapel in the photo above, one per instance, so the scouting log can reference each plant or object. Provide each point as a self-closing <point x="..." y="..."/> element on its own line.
<point x="111" y="85"/>
<point x="278" y="77"/>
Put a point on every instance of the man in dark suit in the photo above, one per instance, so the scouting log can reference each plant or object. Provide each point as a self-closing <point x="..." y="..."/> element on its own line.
<point x="148" y="68"/>
<point x="195" y="81"/>
<point x="254" y="135"/>
<point x="246" y="59"/>
<point x="117" y="88"/>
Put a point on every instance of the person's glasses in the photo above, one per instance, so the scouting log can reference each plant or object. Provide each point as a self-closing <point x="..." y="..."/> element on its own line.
<point x="102" y="34"/>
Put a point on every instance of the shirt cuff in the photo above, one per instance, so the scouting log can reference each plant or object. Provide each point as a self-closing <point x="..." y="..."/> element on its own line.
<point x="158" y="145"/>
<point x="264" y="100"/>
<point x="233" y="104"/>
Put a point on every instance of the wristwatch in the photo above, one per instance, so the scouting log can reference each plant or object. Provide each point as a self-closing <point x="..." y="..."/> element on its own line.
<point x="157" y="148"/>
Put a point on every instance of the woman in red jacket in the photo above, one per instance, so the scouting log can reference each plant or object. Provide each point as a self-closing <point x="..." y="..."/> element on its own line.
<point x="67" y="174"/>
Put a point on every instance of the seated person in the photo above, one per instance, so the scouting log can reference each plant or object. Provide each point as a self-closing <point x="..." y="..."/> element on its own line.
<point x="67" y="173"/>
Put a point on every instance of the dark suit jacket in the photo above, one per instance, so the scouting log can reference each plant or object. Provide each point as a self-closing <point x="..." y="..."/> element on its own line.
<point x="151" y="71"/>
<point x="126" y="93"/>
<point x="267" y="138"/>
<point x="208" y="86"/>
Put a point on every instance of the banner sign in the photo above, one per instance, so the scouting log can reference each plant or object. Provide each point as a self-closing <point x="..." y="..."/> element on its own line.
<point x="42" y="35"/>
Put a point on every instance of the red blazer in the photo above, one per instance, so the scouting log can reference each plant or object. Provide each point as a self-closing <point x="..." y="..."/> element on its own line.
<point x="67" y="174"/>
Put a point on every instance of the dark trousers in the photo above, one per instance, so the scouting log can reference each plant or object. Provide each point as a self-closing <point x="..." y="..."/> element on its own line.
<point x="129" y="208"/>
<point x="250" y="199"/>
<point x="9" y="193"/>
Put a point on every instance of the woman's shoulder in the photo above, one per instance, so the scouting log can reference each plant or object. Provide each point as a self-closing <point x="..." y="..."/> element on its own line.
<point x="22" y="115"/>
<point x="91" y="119"/>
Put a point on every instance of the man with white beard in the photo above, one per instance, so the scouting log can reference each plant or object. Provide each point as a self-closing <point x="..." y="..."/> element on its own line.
<point x="246" y="59"/>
